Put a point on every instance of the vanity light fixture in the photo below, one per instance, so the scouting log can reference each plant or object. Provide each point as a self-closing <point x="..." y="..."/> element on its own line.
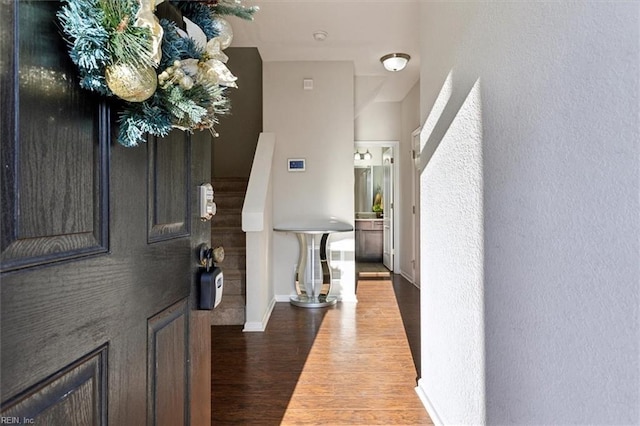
<point x="395" y="61"/>
<point x="362" y="156"/>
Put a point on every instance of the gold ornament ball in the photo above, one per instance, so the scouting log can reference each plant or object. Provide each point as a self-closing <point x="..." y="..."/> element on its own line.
<point x="132" y="83"/>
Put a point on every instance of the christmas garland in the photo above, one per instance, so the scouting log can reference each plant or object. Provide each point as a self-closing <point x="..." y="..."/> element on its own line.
<point x="170" y="72"/>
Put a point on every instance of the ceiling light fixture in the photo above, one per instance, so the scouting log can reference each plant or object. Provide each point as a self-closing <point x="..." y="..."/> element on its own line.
<point x="395" y="61"/>
<point x="320" y="35"/>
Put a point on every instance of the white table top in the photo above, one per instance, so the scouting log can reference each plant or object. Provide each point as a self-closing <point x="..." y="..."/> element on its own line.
<point x="314" y="226"/>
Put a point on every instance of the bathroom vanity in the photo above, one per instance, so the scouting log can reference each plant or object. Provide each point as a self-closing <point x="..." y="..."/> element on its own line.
<point x="369" y="240"/>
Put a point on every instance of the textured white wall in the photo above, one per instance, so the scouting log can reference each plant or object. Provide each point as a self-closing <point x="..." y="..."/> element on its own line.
<point x="560" y="95"/>
<point x="317" y="125"/>
<point x="452" y="286"/>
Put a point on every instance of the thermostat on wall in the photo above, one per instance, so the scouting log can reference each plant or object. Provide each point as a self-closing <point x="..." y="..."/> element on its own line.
<point x="296" y="164"/>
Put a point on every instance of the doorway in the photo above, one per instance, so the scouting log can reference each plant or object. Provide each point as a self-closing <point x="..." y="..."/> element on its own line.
<point x="415" y="205"/>
<point x="375" y="189"/>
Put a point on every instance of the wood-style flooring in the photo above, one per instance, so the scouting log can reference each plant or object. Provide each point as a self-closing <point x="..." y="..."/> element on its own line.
<point x="345" y="365"/>
<point x="367" y="270"/>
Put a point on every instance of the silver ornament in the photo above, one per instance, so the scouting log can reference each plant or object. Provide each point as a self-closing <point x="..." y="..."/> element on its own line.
<point x="225" y="32"/>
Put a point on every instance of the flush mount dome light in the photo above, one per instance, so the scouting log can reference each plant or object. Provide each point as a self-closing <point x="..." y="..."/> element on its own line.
<point x="320" y="35"/>
<point x="395" y="61"/>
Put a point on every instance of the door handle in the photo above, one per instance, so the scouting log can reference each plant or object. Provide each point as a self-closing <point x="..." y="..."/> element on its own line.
<point x="207" y="256"/>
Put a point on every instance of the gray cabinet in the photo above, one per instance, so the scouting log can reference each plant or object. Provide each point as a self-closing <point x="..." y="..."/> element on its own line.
<point x="369" y="240"/>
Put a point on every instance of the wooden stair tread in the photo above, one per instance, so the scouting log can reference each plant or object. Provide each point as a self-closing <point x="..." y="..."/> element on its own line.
<point x="229" y="193"/>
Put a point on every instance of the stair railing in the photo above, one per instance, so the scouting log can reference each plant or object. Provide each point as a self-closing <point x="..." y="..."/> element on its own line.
<point x="258" y="225"/>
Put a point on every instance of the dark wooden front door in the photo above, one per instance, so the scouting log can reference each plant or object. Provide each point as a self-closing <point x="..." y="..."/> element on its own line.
<point x="98" y="250"/>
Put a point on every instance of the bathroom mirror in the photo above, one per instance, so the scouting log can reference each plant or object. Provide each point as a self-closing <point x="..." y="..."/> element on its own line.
<point x="363" y="190"/>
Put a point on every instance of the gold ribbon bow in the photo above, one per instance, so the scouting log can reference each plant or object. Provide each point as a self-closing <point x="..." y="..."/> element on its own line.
<point x="212" y="68"/>
<point x="146" y="18"/>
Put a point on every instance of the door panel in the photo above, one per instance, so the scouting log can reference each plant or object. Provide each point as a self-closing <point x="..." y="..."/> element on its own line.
<point x="75" y="396"/>
<point x="56" y="136"/>
<point x="167" y="348"/>
<point x="200" y="371"/>
<point x="98" y="246"/>
<point x="169" y="182"/>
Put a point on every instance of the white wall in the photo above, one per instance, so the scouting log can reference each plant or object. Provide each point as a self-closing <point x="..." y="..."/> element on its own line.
<point x="379" y="121"/>
<point x="317" y="125"/>
<point x="452" y="286"/>
<point x="410" y="119"/>
<point x="555" y="172"/>
<point x="257" y="222"/>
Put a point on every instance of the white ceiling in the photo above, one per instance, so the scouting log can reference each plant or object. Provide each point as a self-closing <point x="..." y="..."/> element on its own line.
<point x="358" y="30"/>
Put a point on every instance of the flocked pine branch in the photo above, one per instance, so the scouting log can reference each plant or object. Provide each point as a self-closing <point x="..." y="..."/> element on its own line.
<point x="140" y="118"/>
<point x="185" y="110"/>
<point x="175" y="47"/>
<point x="127" y="43"/>
<point x="88" y="37"/>
<point x="99" y="33"/>
<point x="235" y="8"/>
<point x="81" y="21"/>
<point x="220" y="103"/>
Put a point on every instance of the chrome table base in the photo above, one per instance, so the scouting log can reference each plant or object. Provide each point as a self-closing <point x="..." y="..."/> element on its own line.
<point x="318" y="302"/>
<point x="311" y="291"/>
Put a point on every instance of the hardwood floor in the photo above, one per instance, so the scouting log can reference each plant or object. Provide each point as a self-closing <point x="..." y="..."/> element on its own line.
<point x="408" y="297"/>
<point x="372" y="270"/>
<point x="345" y="365"/>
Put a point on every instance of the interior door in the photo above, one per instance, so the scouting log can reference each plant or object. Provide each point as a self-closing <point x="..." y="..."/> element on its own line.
<point x="415" y="136"/>
<point x="387" y="223"/>
<point x="98" y="250"/>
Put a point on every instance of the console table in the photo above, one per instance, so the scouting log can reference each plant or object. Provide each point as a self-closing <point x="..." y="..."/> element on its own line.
<point x="313" y="292"/>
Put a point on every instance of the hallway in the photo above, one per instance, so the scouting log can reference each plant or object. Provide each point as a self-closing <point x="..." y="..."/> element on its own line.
<point x="351" y="364"/>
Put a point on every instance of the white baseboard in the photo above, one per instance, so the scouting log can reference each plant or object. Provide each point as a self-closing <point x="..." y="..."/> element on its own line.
<point x="422" y="394"/>
<point x="283" y="297"/>
<point x="406" y="276"/>
<point x="260" y="326"/>
<point x="410" y="279"/>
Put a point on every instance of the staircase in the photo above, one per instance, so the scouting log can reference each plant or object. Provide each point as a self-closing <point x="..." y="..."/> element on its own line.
<point x="226" y="230"/>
